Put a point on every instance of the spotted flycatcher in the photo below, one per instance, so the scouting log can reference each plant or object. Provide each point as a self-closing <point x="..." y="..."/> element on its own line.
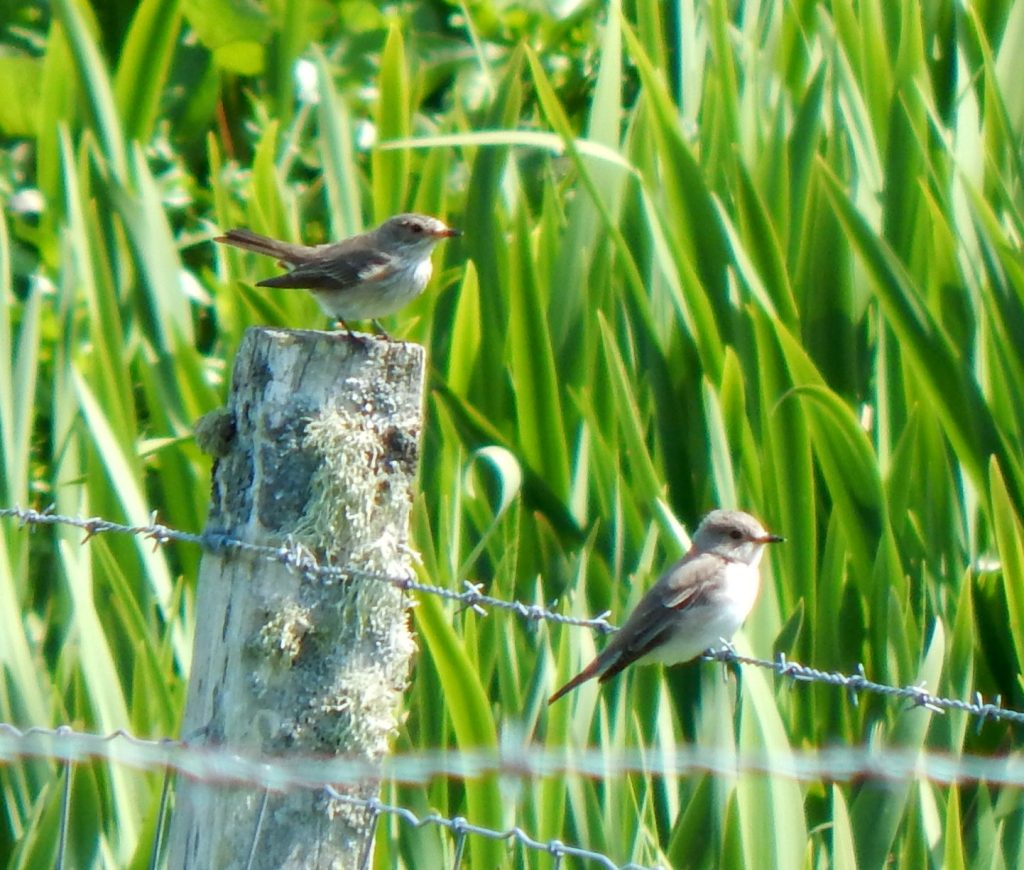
<point x="699" y="601"/>
<point x="364" y="277"/>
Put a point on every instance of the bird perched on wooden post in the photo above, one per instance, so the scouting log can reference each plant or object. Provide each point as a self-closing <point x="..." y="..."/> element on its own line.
<point x="364" y="277"/>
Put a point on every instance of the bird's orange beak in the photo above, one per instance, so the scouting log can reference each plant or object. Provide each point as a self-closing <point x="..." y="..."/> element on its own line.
<point x="449" y="233"/>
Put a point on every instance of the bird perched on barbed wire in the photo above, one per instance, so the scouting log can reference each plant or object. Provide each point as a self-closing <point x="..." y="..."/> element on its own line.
<point x="698" y="602"/>
<point x="364" y="277"/>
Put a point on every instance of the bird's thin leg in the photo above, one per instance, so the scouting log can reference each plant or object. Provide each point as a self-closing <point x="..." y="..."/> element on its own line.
<point x="349" y="334"/>
<point x="381" y="330"/>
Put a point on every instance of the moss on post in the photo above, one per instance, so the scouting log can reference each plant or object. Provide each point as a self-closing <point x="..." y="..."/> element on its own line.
<point x="317" y="449"/>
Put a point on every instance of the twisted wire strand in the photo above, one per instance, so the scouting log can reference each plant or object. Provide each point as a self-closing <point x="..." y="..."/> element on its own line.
<point x="299" y="558"/>
<point x="222" y="765"/>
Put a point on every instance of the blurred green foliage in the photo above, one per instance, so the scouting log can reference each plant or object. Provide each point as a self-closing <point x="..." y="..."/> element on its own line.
<point x="751" y="254"/>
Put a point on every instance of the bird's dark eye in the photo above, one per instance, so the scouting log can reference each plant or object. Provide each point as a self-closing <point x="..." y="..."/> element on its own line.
<point x="736" y="534"/>
<point x="416" y="228"/>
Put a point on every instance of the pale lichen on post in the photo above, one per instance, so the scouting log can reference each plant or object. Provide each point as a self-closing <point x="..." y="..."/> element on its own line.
<point x="318" y="449"/>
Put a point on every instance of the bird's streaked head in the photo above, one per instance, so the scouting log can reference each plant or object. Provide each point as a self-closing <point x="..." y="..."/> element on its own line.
<point x="733" y="535"/>
<point x="413" y="233"/>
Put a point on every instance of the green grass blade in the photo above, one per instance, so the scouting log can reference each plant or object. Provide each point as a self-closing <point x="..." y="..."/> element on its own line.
<point x="142" y="69"/>
<point x="467" y="704"/>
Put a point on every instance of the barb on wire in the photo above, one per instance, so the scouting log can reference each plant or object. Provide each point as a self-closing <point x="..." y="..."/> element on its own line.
<point x="298" y="558"/>
<point x="858" y="682"/>
<point x="460" y="827"/>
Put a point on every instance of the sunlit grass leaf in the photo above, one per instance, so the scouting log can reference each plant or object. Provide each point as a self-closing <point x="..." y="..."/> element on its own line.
<point x="236" y="33"/>
<point x="954" y="856"/>
<point x="124" y="476"/>
<point x="765" y="251"/>
<point x="843" y="855"/>
<point x="22" y="78"/>
<point x="391" y="168"/>
<point x="878" y="810"/>
<point x="531" y="363"/>
<point x="340" y="169"/>
<point x="692" y="222"/>
<point x="632" y="437"/>
<point x="954" y="394"/>
<point x="1009" y="535"/>
<point x="95" y="82"/>
<point x="18" y="379"/>
<point x="771" y="816"/>
<point x="467" y="705"/>
<point x="107" y="704"/>
<point x="143" y="65"/>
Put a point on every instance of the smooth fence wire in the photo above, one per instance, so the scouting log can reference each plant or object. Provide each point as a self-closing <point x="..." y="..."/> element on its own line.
<point x="300" y="559"/>
<point x="511" y="761"/>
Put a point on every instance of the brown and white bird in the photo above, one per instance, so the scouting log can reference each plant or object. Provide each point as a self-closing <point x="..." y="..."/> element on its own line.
<point x="702" y="599"/>
<point x="361" y="278"/>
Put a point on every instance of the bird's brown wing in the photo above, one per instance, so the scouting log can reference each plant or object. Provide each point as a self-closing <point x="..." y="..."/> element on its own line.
<point x="686" y="584"/>
<point x="333" y="269"/>
<point x="689" y="583"/>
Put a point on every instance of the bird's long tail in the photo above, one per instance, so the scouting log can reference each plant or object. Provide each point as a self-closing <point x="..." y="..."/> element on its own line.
<point x="287" y="252"/>
<point x="591" y="670"/>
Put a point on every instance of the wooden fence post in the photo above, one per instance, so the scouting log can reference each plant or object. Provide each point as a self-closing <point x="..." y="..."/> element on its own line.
<point x="318" y="446"/>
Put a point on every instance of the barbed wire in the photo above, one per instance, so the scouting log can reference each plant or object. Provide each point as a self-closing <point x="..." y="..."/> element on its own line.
<point x="299" y="558"/>
<point x="512" y="760"/>
<point x="220" y="766"/>
<point x="858" y="682"/>
<point x="460" y="827"/>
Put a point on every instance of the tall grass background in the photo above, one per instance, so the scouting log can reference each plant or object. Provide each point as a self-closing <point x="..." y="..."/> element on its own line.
<point x="716" y="254"/>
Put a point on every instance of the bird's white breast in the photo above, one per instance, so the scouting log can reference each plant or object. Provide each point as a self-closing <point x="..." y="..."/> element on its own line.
<point x="379" y="295"/>
<point x="740" y="592"/>
<point x="707" y="624"/>
<point x="422" y="272"/>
